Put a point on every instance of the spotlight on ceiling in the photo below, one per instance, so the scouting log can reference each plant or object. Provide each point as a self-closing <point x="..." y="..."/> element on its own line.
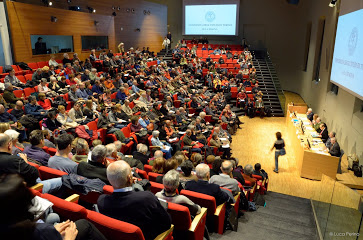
<point x="47" y="3"/>
<point x="91" y="10"/>
<point x="74" y="8"/>
<point x="333" y="3"/>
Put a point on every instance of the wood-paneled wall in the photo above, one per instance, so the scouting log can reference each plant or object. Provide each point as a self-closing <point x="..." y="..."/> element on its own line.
<point x="152" y="27"/>
<point x="27" y="19"/>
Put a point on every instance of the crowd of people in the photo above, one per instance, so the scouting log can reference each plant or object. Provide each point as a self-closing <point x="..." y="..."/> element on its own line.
<point x="183" y="127"/>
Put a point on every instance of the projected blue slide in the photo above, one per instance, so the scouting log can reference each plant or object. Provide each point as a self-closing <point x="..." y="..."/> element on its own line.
<point x="210" y="19"/>
<point x="347" y="67"/>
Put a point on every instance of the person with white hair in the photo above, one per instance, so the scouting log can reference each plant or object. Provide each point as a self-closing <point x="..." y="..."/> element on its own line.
<point x="14" y="139"/>
<point x="247" y="174"/>
<point x="96" y="166"/>
<point x="82" y="150"/>
<point x="310" y="114"/>
<point x="224" y="179"/>
<point x="169" y="194"/>
<point x="203" y="186"/>
<point x="140" y="208"/>
<point x="112" y="153"/>
<point x="141" y="153"/>
<point x="164" y="146"/>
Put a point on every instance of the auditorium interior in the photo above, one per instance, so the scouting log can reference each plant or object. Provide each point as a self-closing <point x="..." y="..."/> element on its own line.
<point x="224" y="119"/>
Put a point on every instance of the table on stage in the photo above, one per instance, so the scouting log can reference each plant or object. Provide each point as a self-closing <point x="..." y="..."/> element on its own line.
<point x="312" y="157"/>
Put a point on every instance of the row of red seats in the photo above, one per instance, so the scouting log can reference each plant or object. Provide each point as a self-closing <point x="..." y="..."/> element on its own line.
<point x="115" y="229"/>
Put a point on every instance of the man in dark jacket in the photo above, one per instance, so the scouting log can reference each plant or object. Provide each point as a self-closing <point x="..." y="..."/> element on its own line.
<point x="203" y="186"/>
<point x="19" y="164"/>
<point x="142" y="208"/>
<point x="141" y="153"/>
<point x="9" y="96"/>
<point x="96" y="167"/>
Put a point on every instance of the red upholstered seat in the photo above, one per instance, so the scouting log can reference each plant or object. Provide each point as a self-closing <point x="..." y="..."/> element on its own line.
<point x="148" y="168"/>
<point x="184" y="227"/>
<point x="215" y="214"/>
<point x="156" y="187"/>
<point x="114" y="229"/>
<point x="65" y="209"/>
<point x="152" y="176"/>
<point x="48" y="173"/>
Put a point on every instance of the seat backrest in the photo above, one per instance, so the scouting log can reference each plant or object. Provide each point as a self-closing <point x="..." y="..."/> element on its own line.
<point x="18" y="93"/>
<point x="202" y="200"/>
<point x="48" y="173"/>
<point x="92" y="126"/>
<point x="65" y="209"/>
<point x="152" y="176"/>
<point x="180" y="216"/>
<point x="114" y="229"/>
<point x="28" y="91"/>
<point x="34" y="165"/>
<point x="156" y="187"/>
<point x="148" y="168"/>
<point x="33" y="65"/>
<point x="113" y="95"/>
<point x="52" y="151"/>
<point x="21" y="78"/>
<point x="28" y="77"/>
<point x="142" y="173"/>
<point x="107" y="189"/>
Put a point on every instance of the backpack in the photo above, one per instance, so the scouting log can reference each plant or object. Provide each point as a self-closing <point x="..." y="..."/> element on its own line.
<point x="251" y="206"/>
<point x="352" y="159"/>
<point x="59" y="101"/>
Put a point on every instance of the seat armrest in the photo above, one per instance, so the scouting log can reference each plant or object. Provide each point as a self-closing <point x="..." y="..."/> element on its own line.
<point x="236" y="198"/>
<point x="38" y="187"/>
<point x="165" y="234"/>
<point x="197" y="219"/>
<point x="73" y="198"/>
<point x="219" y="209"/>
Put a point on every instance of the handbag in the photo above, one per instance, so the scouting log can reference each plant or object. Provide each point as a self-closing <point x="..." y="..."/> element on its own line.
<point x="143" y="133"/>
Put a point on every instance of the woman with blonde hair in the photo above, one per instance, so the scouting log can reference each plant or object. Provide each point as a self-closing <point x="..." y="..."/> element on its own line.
<point x="4" y="126"/>
<point x="159" y="165"/>
<point x="64" y="119"/>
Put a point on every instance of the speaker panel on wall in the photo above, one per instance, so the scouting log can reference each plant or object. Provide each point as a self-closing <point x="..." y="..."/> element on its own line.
<point x="334" y="89"/>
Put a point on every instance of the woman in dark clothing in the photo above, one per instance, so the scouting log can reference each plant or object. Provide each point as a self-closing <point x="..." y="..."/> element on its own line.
<point x="52" y="123"/>
<point x="279" y="146"/>
<point x="17" y="222"/>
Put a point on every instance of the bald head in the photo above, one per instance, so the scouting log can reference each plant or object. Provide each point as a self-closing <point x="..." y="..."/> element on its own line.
<point x="227" y="167"/>
<point x="2" y="108"/>
<point x="119" y="174"/>
<point x="19" y="105"/>
<point x="158" y="154"/>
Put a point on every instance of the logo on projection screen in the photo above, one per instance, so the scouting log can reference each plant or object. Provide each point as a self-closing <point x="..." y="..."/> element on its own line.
<point x="353" y="40"/>
<point x="210" y="16"/>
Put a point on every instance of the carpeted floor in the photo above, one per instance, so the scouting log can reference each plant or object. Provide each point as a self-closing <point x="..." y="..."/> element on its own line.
<point x="284" y="217"/>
